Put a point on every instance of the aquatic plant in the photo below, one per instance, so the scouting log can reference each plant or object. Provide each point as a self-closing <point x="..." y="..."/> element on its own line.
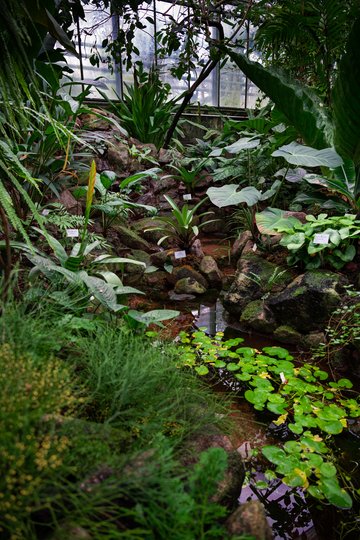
<point x="301" y="396"/>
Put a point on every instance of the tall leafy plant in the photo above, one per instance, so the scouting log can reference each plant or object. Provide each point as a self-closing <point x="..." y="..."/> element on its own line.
<point x="145" y="110"/>
<point x="315" y="124"/>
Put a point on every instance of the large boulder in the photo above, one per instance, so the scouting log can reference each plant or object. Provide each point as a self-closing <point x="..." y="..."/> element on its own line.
<point x="254" y="278"/>
<point x="187" y="271"/>
<point x="308" y="301"/>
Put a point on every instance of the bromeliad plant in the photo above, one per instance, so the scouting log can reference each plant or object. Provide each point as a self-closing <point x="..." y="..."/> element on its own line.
<point x="183" y="226"/>
<point x="301" y="397"/>
<point x="190" y="174"/>
<point x="145" y="110"/>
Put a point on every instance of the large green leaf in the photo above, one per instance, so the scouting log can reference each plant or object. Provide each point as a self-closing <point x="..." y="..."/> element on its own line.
<point x="300" y="105"/>
<point x="245" y="143"/>
<point x="334" y="493"/>
<point x="273" y="220"/>
<point x="346" y="100"/>
<point x="154" y="316"/>
<point x="102" y="291"/>
<point x="298" y="154"/>
<point x="229" y="196"/>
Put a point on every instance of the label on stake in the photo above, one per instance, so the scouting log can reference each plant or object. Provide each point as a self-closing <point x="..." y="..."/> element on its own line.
<point x="72" y="233"/>
<point x="180" y="254"/>
<point x="187" y="197"/>
<point x="45" y="212"/>
<point x="321" y="238"/>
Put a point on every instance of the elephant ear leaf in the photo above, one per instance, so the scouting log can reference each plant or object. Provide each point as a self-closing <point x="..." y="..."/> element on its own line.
<point x="301" y="107"/>
<point x="346" y="102"/>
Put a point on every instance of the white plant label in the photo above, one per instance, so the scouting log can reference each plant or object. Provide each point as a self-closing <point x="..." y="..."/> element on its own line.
<point x="321" y="238"/>
<point x="187" y="197"/>
<point x="180" y="254"/>
<point x="72" y="233"/>
<point x="254" y="248"/>
<point x="45" y="212"/>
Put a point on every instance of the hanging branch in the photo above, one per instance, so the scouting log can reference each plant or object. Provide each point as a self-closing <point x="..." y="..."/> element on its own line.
<point x="205" y="72"/>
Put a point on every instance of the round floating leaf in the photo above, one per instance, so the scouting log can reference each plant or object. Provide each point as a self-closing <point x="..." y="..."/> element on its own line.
<point x="219" y="364"/>
<point x="315" y="460"/>
<point x="296" y="428"/>
<point x="322" y="375"/>
<point x="328" y="470"/>
<point x="292" y="447"/>
<point x="279" y="352"/>
<point x="245" y="351"/>
<point x="276" y="408"/>
<point x="296" y="478"/>
<point x="316" y="492"/>
<point x="274" y="454"/>
<point x="333" y="428"/>
<point x="243" y="376"/>
<point x="345" y="383"/>
<point x="202" y="370"/>
<point x="232" y="366"/>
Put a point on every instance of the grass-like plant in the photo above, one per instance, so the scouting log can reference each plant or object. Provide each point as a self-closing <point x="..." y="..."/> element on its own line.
<point x="103" y="458"/>
<point x="189" y="175"/>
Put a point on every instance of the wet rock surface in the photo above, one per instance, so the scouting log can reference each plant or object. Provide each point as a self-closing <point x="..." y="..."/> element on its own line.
<point x="250" y="519"/>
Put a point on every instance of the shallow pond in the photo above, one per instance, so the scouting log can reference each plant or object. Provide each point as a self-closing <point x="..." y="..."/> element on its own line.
<point x="289" y="513"/>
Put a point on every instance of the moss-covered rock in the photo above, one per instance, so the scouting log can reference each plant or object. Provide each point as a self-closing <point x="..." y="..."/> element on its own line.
<point x="308" y="301"/>
<point x="287" y="334"/>
<point x="188" y="285"/>
<point x="258" y="317"/>
<point x="254" y="278"/>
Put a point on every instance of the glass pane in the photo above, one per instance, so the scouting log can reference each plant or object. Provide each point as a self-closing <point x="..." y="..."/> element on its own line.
<point x="207" y="92"/>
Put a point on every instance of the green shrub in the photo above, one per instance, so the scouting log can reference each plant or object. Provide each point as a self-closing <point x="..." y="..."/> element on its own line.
<point x="30" y="451"/>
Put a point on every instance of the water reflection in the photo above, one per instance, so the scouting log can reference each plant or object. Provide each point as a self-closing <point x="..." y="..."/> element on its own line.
<point x="286" y="508"/>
